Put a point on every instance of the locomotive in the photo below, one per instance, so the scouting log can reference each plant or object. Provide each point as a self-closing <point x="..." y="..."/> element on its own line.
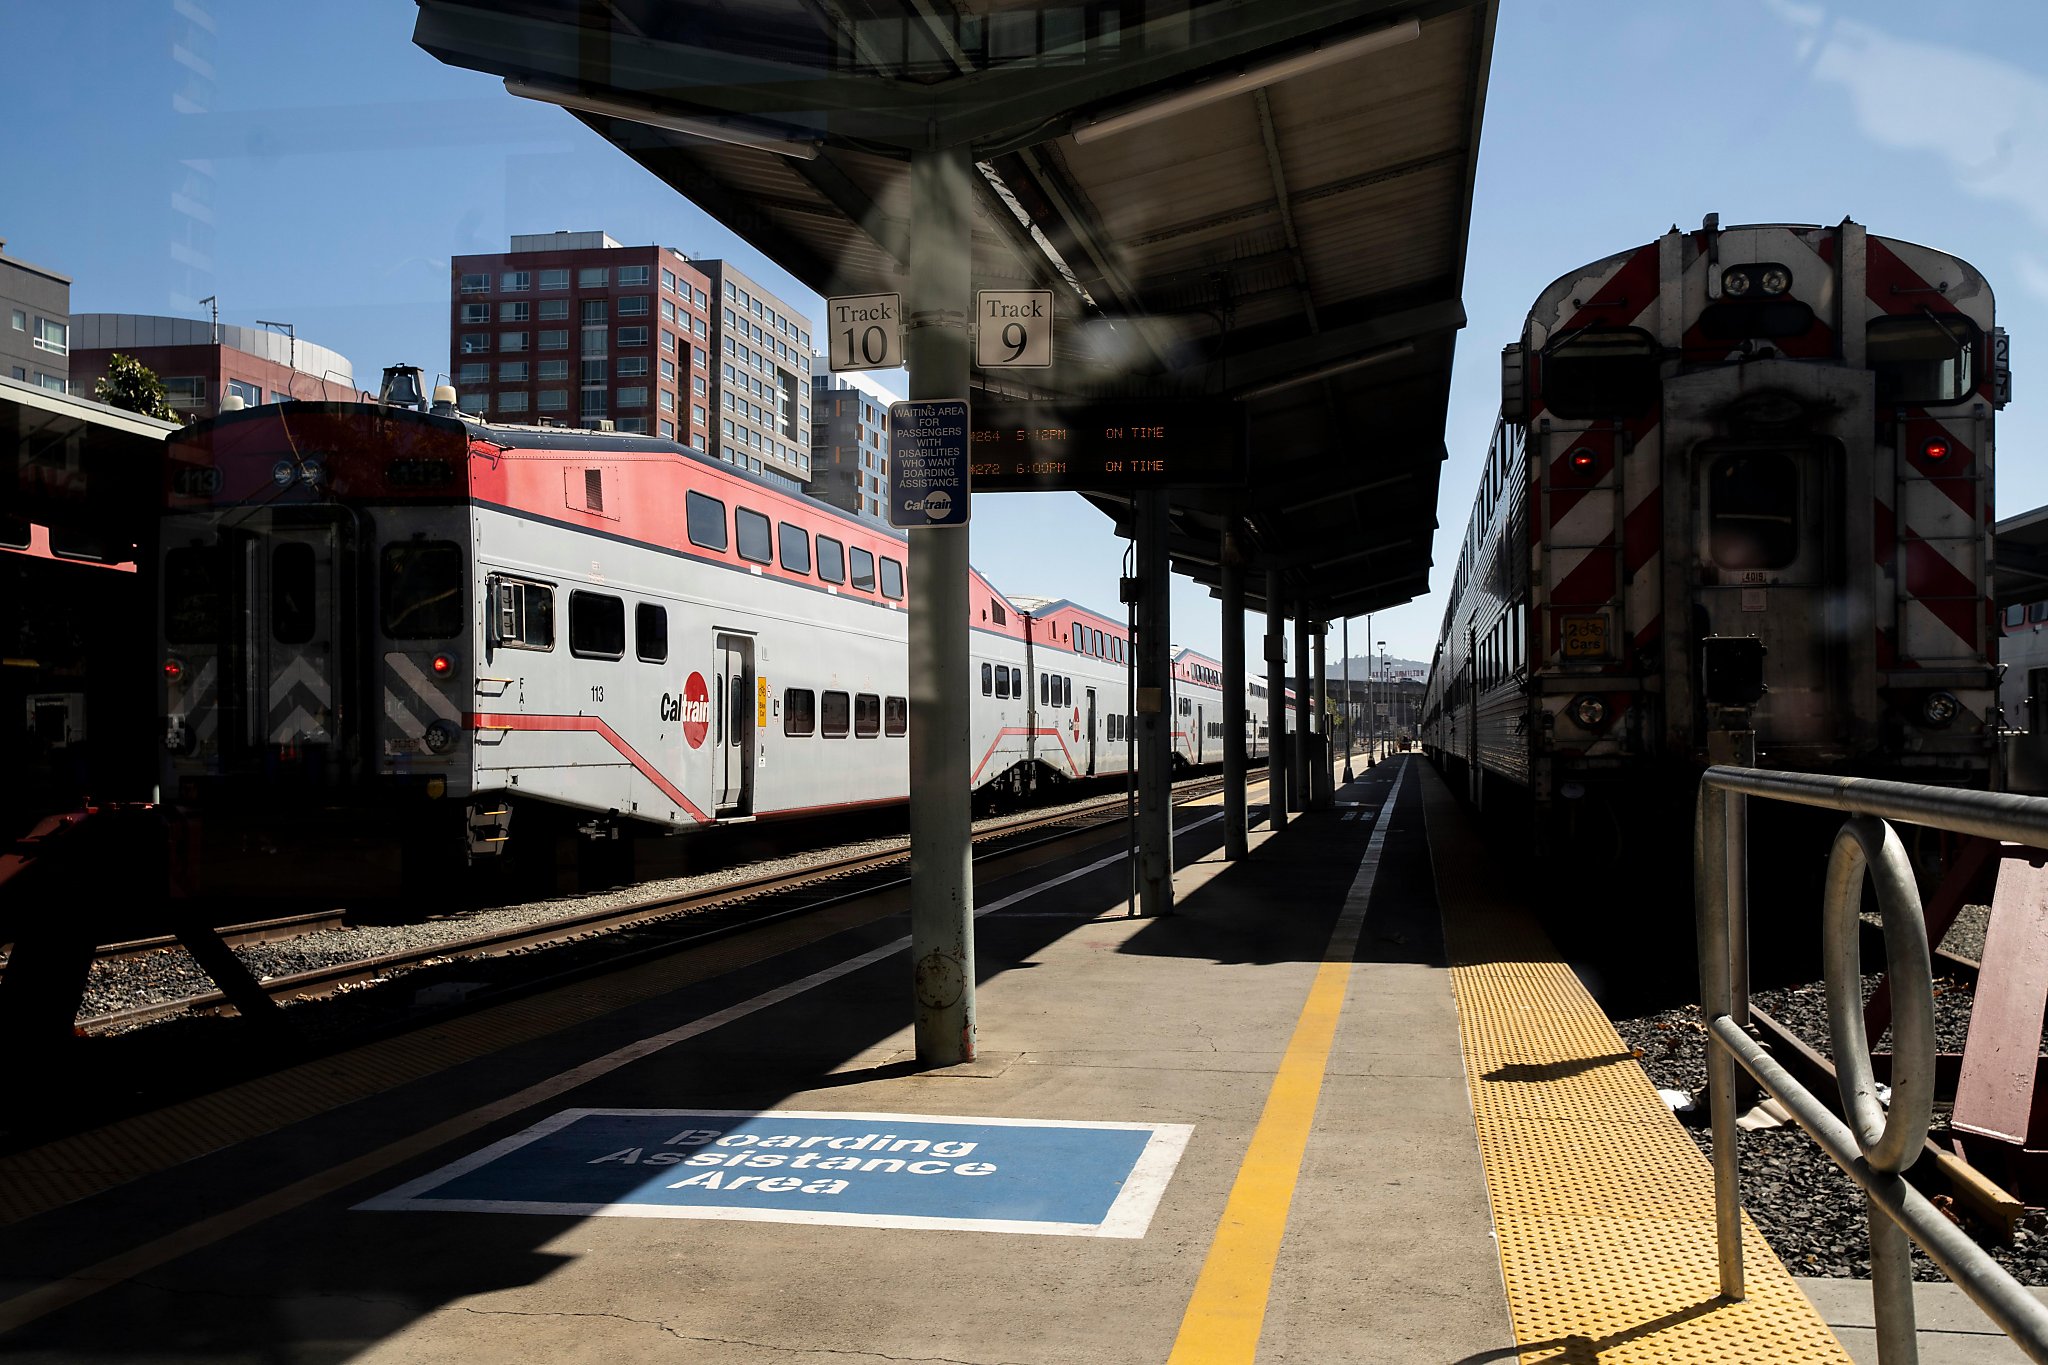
<point x="395" y="615"/>
<point x="1737" y="508"/>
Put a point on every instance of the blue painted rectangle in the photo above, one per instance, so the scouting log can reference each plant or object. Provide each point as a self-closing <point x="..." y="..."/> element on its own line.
<point x="928" y="483"/>
<point x="890" y="1170"/>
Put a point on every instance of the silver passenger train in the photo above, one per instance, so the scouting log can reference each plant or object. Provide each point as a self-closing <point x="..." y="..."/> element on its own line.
<point x="449" y="625"/>
<point x="1737" y="508"/>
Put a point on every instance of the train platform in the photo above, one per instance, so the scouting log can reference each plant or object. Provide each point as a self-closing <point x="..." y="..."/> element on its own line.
<point x="1345" y="1105"/>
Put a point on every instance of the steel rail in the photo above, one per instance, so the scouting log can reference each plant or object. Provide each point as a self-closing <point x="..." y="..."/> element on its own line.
<point x="325" y="980"/>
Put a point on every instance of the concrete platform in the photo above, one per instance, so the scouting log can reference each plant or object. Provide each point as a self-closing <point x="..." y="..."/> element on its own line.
<point x="1245" y="1131"/>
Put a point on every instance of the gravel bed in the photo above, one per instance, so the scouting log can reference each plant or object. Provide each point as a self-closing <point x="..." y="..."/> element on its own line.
<point x="171" y="974"/>
<point x="1810" y="1212"/>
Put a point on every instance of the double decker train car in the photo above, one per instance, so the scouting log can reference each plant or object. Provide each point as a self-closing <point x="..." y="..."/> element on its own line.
<point x="462" y="627"/>
<point x="1737" y="508"/>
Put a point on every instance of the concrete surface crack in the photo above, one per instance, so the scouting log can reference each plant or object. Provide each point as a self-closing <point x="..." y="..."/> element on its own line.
<point x="731" y="1341"/>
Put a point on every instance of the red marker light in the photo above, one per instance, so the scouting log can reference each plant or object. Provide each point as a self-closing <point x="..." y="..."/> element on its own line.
<point x="1583" y="461"/>
<point x="173" y="670"/>
<point x="1936" y="450"/>
<point x="442" y="665"/>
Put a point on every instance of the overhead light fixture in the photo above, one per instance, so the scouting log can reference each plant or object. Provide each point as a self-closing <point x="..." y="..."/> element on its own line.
<point x="1357" y="362"/>
<point x="1208" y="92"/>
<point x="711" y="130"/>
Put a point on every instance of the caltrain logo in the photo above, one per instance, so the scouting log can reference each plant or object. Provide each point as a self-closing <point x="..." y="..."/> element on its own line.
<point x="693" y="709"/>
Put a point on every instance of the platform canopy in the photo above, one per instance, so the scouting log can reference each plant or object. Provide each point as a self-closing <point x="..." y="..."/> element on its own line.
<point x="1228" y="197"/>
<point x="90" y="472"/>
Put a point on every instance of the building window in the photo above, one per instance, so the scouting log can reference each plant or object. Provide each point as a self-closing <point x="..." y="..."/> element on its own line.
<point x="184" y="391"/>
<point x="668" y="369"/>
<point x="632" y="366"/>
<point x="668" y="429"/>
<point x="473" y="313"/>
<point x="515" y="281"/>
<point x="554" y="400"/>
<point x="475" y="373"/>
<point x="697" y="441"/>
<point x="515" y="401"/>
<point x="594" y="277"/>
<point x="593" y="403"/>
<point x="515" y="310"/>
<point x="594" y="372"/>
<point x="557" y="278"/>
<point x="512" y="372"/>
<point x="697" y="326"/>
<point x="668" y="279"/>
<point x="697" y="414"/>
<point x="667" y="401"/>
<point x="637" y="425"/>
<point x="554" y="310"/>
<point x="668" y="311"/>
<point x="668" y="340"/>
<point x="554" y="338"/>
<point x="632" y="274"/>
<point x="19" y="319"/>
<point x="476" y="283"/>
<point x="697" y="384"/>
<point x="596" y="310"/>
<point x="475" y="402"/>
<point x="634" y="306"/>
<point x="633" y="336"/>
<point x="511" y="341"/>
<point x="633" y="397"/>
<point x="553" y="369"/>
<point x="596" y="340"/>
<point x="250" y="394"/>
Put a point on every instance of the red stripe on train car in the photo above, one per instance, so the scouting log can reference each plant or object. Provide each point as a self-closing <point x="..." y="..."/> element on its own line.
<point x="484" y="720"/>
<point x="1011" y="731"/>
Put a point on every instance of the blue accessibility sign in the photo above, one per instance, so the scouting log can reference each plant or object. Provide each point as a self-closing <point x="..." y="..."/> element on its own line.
<point x="1086" y="1179"/>
<point x="928" y="463"/>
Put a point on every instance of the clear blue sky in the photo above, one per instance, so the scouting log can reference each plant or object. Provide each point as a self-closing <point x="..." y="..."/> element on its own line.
<point x="342" y="167"/>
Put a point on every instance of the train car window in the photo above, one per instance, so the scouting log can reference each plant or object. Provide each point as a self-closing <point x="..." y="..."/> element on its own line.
<point x="292" y="587"/>
<point x="895" y="716"/>
<point x="1002" y="682"/>
<point x="14" y="532"/>
<point x="2038" y="612"/>
<point x="988" y="685"/>
<point x="2016" y="614"/>
<point x="422" y="584"/>
<point x="192" y="606"/>
<point x="836" y="711"/>
<point x="795" y="545"/>
<point x="1753" y="510"/>
<point x="867" y="715"/>
<point x="799" y="711"/>
<point x="1601" y="372"/>
<point x="650" y="632"/>
<point x="705" y="516"/>
<point x="996" y="615"/>
<point x="1923" y="359"/>
<point x="892" y="582"/>
<point x="1044" y="688"/>
<point x="526" y="614"/>
<point x="597" y="625"/>
<point x="831" y="560"/>
<point x="863" y="570"/>
<point x="1740" y="319"/>
<point x="755" y="542"/>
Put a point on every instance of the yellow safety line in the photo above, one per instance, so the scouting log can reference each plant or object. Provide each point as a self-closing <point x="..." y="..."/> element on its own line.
<point x="1228" y="1309"/>
<point x="1602" y="1205"/>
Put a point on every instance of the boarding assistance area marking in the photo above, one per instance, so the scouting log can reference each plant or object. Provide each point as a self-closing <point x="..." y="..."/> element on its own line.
<point x="1063" y="1178"/>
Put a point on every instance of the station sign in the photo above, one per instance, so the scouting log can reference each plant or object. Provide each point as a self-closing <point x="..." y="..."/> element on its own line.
<point x="928" y="480"/>
<point x="1013" y="329"/>
<point x="1058" y="1177"/>
<point x="1109" y="445"/>
<point x="864" y="332"/>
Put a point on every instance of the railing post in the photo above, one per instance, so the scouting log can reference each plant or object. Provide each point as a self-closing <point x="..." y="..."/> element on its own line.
<point x="1712" y="862"/>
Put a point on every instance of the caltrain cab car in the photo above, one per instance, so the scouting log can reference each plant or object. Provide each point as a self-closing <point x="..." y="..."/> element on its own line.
<point x="1737" y="508"/>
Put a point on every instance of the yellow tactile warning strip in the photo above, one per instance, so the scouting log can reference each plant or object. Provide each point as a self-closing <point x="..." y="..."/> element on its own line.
<point x="1603" y="1206"/>
<point x="43" y="1178"/>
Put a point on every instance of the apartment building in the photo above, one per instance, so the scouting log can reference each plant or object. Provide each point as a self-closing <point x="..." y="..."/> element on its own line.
<point x="761" y="383"/>
<point x="849" y="442"/>
<point x="35" y="347"/>
<point x="577" y="329"/>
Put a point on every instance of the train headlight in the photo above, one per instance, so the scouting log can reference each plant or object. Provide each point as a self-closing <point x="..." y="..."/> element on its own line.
<point x="440" y="737"/>
<point x="1590" y="712"/>
<point x="1939" y="708"/>
<point x="1776" y="279"/>
<point x="1735" y="282"/>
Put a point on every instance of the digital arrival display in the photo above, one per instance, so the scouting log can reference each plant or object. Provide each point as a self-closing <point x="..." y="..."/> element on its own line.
<point x="1106" y="445"/>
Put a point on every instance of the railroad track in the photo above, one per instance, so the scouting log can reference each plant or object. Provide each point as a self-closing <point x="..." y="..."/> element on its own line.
<point x="730" y="897"/>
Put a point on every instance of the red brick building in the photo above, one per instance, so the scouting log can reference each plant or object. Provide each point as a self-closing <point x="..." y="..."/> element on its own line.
<point x="202" y="366"/>
<point x="573" y="328"/>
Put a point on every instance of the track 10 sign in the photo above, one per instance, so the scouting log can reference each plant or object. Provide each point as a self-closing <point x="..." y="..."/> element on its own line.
<point x="864" y="331"/>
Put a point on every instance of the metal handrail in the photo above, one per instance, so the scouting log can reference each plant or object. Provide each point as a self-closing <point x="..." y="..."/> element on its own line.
<point x="1874" y="1147"/>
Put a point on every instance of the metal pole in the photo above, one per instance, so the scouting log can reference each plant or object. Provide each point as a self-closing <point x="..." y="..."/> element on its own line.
<point x="1235" y="845"/>
<point x="1303" y="712"/>
<point x="1319" y="787"/>
<point x="941" y="857"/>
<point x="1711" y="862"/>
<point x="1155" y="722"/>
<point x="1350" y="707"/>
<point x="1372" y="733"/>
<point x="1276" y="704"/>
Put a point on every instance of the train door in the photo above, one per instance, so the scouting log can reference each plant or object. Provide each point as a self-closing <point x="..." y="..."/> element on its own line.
<point x="1201" y="733"/>
<point x="291" y="567"/>
<point x="1089" y="768"/>
<point x="1763" y="531"/>
<point x="734" y="707"/>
